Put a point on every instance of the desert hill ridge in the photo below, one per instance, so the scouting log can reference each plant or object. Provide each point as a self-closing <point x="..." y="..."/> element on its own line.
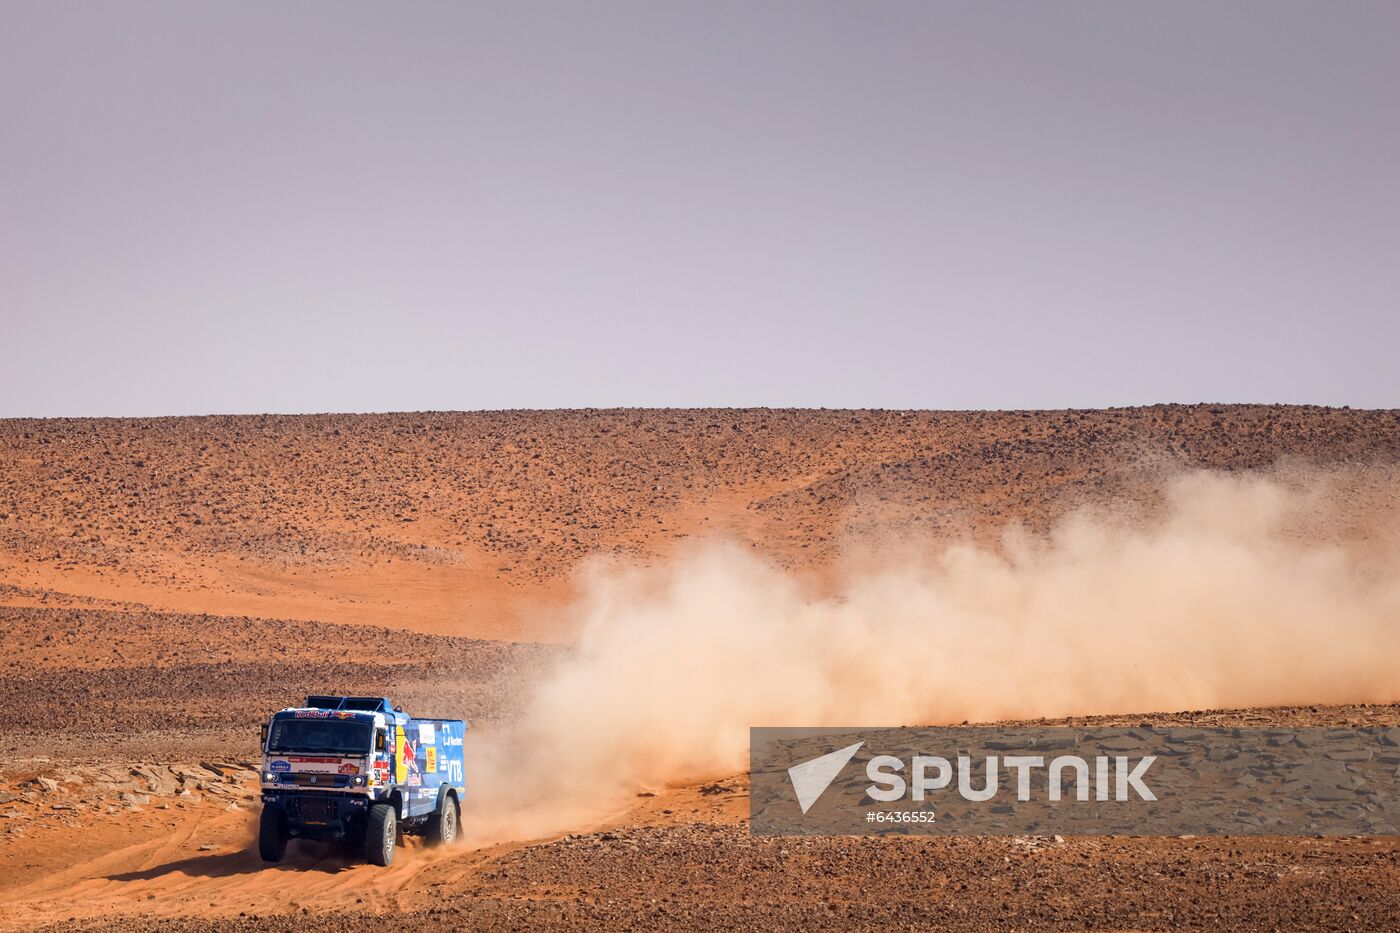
<point x="474" y="514"/>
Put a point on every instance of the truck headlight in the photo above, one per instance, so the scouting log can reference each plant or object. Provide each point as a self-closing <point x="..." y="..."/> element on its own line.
<point x="269" y="777"/>
<point x="358" y="780"/>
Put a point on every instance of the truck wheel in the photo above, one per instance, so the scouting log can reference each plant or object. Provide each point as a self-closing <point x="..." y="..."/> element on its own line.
<point x="272" y="835"/>
<point x="380" y="834"/>
<point x="442" y="830"/>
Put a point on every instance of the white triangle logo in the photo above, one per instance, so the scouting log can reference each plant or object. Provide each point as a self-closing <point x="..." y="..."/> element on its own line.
<point x="811" y="778"/>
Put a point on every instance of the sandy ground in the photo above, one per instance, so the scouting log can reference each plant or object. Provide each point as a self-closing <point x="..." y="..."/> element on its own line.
<point x="165" y="583"/>
<point x="113" y="845"/>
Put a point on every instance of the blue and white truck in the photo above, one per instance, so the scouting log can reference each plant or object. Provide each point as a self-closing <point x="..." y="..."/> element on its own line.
<point x="360" y="771"/>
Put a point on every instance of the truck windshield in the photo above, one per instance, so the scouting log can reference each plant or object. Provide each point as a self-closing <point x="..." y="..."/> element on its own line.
<point x="337" y="737"/>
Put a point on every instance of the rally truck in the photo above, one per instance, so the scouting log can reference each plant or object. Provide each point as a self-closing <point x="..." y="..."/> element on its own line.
<point x="359" y="771"/>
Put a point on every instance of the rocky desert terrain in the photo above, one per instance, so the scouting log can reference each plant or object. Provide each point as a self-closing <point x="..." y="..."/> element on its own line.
<point x="165" y="583"/>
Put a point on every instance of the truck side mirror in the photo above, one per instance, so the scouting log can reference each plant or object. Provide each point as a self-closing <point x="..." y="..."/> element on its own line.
<point x="263" y="732"/>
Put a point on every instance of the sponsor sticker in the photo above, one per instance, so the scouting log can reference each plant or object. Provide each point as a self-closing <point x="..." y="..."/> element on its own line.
<point x="425" y="733"/>
<point x="432" y="760"/>
<point x="311" y="714"/>
<point x="279" y="766"/>
<point x="349" y="768"/>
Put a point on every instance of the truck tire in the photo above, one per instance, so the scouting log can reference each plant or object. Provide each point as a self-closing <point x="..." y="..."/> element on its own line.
<point x="446" y="819"/>
<point x="381" y="834"/>
<point x="272" y="835"/>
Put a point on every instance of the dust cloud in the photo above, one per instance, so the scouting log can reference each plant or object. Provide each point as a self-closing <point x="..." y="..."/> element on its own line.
<point x="1234" y="596"/>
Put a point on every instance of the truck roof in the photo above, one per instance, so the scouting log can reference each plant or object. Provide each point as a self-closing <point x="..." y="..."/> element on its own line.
<point x="358" y="704"/>
<point x="313" y="713"/>
<point x="366" y="708"/>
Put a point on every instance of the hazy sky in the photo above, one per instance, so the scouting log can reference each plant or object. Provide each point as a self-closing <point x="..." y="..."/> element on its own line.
<point x="306" y="206"/>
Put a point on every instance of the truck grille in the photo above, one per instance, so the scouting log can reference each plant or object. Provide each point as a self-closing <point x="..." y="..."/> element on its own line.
<point x="302" y="779"/>
<point x="317" y="809"/>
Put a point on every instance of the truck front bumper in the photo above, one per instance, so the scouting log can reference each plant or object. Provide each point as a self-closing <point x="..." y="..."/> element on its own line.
<point x="314" y="814"/>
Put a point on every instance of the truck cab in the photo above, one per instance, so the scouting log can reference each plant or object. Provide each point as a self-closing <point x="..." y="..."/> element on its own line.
<point x="360" y="771"/>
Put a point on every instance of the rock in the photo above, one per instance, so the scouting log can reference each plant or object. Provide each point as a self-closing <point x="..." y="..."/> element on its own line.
<point x="158" y="780"/>
<point x="1046" y="743"/>
<point x="135" y="800"/>
<point x="1359" y="754"/>
<point x="716" y="788"/>
<point x="47" y="785"/>
<point x="213" y="769"/>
